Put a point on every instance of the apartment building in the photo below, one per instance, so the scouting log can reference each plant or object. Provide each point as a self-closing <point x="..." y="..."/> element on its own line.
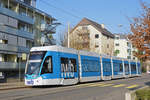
<point x="91" y="36"/>
<point x="123" y="47"/>
<point x="20" y="23"/>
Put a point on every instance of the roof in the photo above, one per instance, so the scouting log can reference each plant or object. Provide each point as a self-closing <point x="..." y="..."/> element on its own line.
<point x="99" y="27"/>
<point x="121" y="36"/>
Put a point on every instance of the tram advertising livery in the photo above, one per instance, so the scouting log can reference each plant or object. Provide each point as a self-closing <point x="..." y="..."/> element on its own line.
<point x="56" y="65"/>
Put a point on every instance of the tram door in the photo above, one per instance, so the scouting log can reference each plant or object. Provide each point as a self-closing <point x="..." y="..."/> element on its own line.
<point x="126" y="69"/>
<point x="68" y="68"/>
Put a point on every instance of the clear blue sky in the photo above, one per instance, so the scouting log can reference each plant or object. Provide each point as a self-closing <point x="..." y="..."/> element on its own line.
<point x="111" y="13"/>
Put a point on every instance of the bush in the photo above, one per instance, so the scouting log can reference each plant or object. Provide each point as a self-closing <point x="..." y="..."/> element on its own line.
<point x="143" y="69"/>
<point x="143" y="94"/>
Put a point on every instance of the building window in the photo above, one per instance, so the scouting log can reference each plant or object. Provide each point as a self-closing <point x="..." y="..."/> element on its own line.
<point x="96" y="35"/>
<point x="4" y="41"/>
<point x="117" y="44"/>
<point x="96" y="46"/>
<point x="107" y="45"/>
<point x="25" y="27"/>
<point x="128" y="57"/>
<point x="28" y="44"/>
<point x="107" y="37"/>
<point x="129" y="44"/>
<point x="117" y="38"/>
<point x="129" y="51"/>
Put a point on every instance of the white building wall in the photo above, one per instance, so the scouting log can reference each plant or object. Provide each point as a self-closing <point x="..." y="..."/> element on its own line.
<point x="102" y="41"/>
<point x="122" y="47"/>
<point x="95" y="41"/>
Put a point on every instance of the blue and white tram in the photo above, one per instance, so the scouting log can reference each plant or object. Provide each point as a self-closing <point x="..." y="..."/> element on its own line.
<point x="52" y="65"/>
<point x="55" y="65"/>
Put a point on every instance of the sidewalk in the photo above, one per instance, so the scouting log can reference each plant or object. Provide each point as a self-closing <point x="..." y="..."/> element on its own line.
<point x="12" y="83"/>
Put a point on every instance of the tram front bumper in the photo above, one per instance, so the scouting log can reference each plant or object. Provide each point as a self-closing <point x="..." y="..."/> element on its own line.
<point x="33" y="82"/>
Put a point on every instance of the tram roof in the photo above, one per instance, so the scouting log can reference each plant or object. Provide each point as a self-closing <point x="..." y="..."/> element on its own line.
<point x="87" y="53"/>
<point x="54" y="48"/>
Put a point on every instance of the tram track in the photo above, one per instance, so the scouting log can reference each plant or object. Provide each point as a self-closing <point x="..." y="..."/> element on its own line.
<point x="25" y="93"/>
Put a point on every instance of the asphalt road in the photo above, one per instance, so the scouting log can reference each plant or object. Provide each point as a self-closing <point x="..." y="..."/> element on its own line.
<point x="104" y="90"/>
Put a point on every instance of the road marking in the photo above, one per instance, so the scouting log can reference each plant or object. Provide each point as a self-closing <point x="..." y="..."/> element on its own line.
<point x="91" y="84"/>
<point x="106" y="85"/>
<point x="120" y="85"/>
<point x="97" y="84"/>
<point x="132" y="86"/>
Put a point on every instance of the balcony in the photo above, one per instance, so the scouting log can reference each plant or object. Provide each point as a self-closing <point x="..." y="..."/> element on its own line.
<point x="25" y="34"/>
<point x="23" y="49"/>
<point x="12" y="48"/>
<point x="14" y="31"/>
<point x="7" y="47"/>
<point x="13" y="14"/>
<point x="11" y="66"/>
<point x="7" y="29"/>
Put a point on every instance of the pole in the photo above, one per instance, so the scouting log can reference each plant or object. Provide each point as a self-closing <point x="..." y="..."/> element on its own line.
<point x="8" y="4"/>
<point x="68" y="34"/>
<point x="19" y="69"/>
<point x="19" y="66"/>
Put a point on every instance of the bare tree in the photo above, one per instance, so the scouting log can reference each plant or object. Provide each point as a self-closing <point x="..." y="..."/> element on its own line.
<point x="140" y="37"/>
<point x="80" y="39"/>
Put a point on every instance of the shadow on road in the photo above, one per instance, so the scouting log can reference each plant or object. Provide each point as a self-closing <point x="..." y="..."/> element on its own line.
<point x="147" y="83"/>
<point x="47" y="86"/>
<point x="55" y="86"/>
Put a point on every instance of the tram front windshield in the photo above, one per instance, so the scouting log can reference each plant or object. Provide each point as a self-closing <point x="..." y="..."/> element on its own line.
<point x="34" y="62"/>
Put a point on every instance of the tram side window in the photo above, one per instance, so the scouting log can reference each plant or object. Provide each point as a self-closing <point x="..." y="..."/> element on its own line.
<point x="133" y="67"/>
<point x="116" y="67"/>
<point x="73" y="63"/>
<point x="126" y="67"/>
<point x="90" y="65"/>
<point x="47" y="66"/>
<point x="121" y="68"/>
<point x="68" y="65"/>
<point x="107" y="66"/>
<point x="64" y="64"/>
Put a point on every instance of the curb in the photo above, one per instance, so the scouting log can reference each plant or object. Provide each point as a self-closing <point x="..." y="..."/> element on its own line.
<point x="128" y="95"/>
<point x="11" y="88"/>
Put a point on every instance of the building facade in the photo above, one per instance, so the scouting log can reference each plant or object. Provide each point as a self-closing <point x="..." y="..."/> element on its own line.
<point x="123" y="47"/>
<point x="20" y="23"/>
<point x="92" y="36"/>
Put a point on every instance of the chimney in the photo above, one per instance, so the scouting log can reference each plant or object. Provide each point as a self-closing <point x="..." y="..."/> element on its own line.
<point x="102" y="25"/>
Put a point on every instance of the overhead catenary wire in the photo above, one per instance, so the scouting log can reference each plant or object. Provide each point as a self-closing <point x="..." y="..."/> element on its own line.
<point x="60" y="9"/>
